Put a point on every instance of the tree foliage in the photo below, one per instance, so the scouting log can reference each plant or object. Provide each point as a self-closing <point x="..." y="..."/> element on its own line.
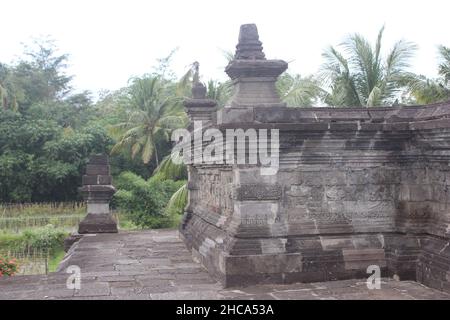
<point x="152" y="112"/>
<point x="424" y="90"/>
<point x="46" y="131"/>
<point x="298" y="91"/>
<point x="145" y="200"/>
<point x="361" y="76"/>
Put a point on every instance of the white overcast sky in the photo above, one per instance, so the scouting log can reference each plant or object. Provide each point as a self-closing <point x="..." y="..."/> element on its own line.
<point x="109" y="41"/>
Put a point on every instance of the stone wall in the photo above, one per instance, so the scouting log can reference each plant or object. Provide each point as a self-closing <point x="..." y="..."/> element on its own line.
<point x="355" y="187"/>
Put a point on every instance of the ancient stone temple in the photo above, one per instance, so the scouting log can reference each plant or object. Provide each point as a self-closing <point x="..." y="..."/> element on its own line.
<point x="97" y="191"/>
<point x="354" y="187"/>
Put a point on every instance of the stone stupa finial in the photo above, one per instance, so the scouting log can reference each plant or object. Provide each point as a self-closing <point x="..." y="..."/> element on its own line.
<point x="249" y="46"/>
<point x="198" y="88"/>
<point x="253" y="75"/>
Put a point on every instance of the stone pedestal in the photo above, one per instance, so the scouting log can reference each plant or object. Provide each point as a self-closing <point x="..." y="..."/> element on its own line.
<point x="97" y="191"/>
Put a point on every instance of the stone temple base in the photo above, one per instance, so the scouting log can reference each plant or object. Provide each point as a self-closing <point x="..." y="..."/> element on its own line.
<point x="314" y="258"/>
<point x="350" y="188"/>
<point x="98" y="223"/>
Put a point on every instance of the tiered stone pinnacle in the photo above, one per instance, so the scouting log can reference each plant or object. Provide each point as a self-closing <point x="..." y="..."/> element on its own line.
<point x="253" y="75"/>
<point x="97" y="191"/>
<point x="249" y="46"/>
<point x="199" y="108"/>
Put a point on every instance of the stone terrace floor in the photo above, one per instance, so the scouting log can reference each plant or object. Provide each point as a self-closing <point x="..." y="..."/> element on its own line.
<point x="155" y="264"/>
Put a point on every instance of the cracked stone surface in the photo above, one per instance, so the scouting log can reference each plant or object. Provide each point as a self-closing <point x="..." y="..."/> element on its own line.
<point x="155" y="265"/>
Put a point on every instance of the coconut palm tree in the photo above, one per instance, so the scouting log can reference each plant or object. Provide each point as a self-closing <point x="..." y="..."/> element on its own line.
<point x="424" y="90"/>
<point x="298" y="91"/>
<point x="151" y="111"/>
<point x="444" y="66"/>
<point x="219" y="91"/>
<point x="7" y="99"/>
<point x="361" y="76"/>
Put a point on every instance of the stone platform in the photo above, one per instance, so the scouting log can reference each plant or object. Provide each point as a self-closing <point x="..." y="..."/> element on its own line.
<point x="156" y="265"/>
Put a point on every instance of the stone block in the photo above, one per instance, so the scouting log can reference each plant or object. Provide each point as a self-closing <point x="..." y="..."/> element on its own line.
<point x="343" y="126"/>
<point x="96" y="179"/>
<point x="99" y="159"/>
<point x="98" y="223"/>
<point x="420" y="192"/>
<point x="235" y="115"/>
<point x="254" y="192"/>
<point x="97" y="169"/>
<point x="362" y="258"/>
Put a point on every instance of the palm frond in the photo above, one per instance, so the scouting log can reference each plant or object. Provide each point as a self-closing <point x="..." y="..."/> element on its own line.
<point x="178" y="201"/>
<point x="361" y="77"/>
<point x="148" y="148"/>
<point x="297" y="91"/>
<point x="374" y="97"/>
<point x="444" y="66"/>
<point x="167" y="169"/>
<point x="173" y="121"/>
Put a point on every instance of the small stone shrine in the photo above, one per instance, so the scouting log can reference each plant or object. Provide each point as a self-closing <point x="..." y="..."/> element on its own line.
<point x="97" y="191"/>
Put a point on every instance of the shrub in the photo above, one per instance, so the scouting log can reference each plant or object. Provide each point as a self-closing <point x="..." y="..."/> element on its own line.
<point x="144" y="201"/>
<point x="45" y="238"/>
<point x="8" y="267"/>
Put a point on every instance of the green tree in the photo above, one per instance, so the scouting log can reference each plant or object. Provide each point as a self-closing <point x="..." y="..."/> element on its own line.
<point x="152" y="112"/>
<point x="7" y="98"/>
<point x="424" y="90"/>
<point x="298" y="91"/>
<point x="361" y="76"/>
<point x="42" y="161"/>
<point x="145" y="201"/>
<point x="39" y="76"/>
<point x="444" y="66"/>
<point x="219" y="91"/>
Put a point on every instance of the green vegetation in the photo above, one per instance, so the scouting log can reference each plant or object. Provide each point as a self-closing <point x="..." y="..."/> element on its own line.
<point x="46" y="238"/>
<point x="145" y="201"/>
<point x="55" y="259"/>
<point x="36" y="249"/>
<point x="152" y="111"/>
<point x="425" y="91"/>
<point x="8" y="267"/>
<point x="362" y="77"/>
<point x="17" y="217"/>
<point x="34" y="233"/>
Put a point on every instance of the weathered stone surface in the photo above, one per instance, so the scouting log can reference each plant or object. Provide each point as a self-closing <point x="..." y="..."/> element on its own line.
<point x="98" y="223"/>
<point x="97" y="169"/>
<point x="96" y="179"/>
<point x="170" y="273"/>
<point x="354" y="187"/>
<point x="247" y="192"/>
<point x="69" y="241"/>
